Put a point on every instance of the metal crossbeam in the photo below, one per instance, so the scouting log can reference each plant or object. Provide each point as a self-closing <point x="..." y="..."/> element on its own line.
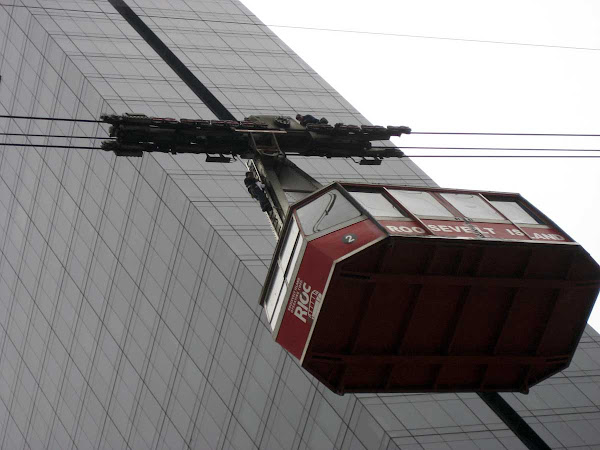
<point x="424" y="360"/>
<point x="138" y="133"/>
<point x="454" y="280"/>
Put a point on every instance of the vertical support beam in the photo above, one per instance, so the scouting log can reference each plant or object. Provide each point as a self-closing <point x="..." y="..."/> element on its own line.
<point x="514" y="299"/>
<point x="514" y="421"/>
<point x="365" y="309"/>
<point x="280" y="174"/>
<point x="463" y="300"/>
<point x="558" y="296"/>
<point x="399" y="347"/>
<point x="275" y="191"/>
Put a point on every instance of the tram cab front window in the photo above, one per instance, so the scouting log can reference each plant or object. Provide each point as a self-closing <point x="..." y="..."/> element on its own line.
<point x="326" y="212"/>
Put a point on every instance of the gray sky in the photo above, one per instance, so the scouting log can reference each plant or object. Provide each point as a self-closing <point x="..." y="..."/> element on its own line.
<point x="446" y="85"/>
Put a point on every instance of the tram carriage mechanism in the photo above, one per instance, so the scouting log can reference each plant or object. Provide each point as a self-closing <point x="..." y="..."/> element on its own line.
<point x="379" y="288"/>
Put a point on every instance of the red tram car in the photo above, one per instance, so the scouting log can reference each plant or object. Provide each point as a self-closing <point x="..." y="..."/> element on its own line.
<point x="397" y="289"/>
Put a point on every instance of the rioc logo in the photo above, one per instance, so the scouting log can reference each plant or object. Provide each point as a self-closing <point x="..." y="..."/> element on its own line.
<point x="306" y="302"/>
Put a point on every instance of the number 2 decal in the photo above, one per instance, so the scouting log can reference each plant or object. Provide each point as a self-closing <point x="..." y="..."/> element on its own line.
<point x="349" y="238"/>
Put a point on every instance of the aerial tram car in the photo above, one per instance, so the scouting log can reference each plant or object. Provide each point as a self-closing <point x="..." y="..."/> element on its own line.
<point x="379" y="288"/>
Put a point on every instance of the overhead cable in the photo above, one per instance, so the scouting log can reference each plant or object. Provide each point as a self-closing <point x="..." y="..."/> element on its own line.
<point x="54" y="136"/>
<point x="503" y="134"/>
<point x="49" y="146"/>
<point x="336" y="30"/>
<point x="499" y="149"/>
<point x="496" y="149"/>
<point x="421" y="36"/>
<point x="4" y="116"/>
<point x="503" y="156"/>
<point x="461" y="133"/>
<point x="409" y="156"/>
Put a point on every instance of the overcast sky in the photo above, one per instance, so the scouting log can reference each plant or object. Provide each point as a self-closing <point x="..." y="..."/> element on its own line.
<point x="448" y="85"/>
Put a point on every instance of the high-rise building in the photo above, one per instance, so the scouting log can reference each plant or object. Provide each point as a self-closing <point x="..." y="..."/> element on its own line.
<point x="129" y="287"/>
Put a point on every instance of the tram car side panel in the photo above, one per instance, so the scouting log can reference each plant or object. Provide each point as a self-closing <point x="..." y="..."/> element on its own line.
<point x="310" y="286"/>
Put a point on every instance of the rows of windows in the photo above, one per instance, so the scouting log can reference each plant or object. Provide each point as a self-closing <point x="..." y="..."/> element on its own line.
<point x="399" y="203"/>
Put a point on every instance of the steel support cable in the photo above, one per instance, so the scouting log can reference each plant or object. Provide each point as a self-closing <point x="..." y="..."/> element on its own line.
<point x="465" y="133"/>
<point x="450" y="133"/>
<point x="49" y="146"/>
<point x="54" y="136"/>
<point x="413" y="132"/>
<point x="442" y="38"/>
<point x="503" y="156"/>
<point x="565" y="150"/>
<point x="335" y="30"/>
<point x="4" y="116"/>
<point x="498" y="149"/>
<point x="408" y="156"/>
